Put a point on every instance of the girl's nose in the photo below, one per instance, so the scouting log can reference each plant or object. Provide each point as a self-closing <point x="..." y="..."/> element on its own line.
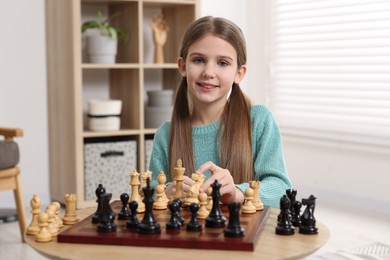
<point x="208" y="72"/>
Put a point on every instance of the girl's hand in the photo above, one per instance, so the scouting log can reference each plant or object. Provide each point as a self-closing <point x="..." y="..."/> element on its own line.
<point x="229" y="192"/>
<point x="171" y="189"/>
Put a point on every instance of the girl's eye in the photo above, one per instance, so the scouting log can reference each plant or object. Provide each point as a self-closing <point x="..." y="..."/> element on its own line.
<point x="223" y="63"/>
<point x="198" y="60"/>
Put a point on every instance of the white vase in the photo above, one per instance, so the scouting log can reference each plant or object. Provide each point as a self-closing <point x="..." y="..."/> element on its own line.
<point x="102" y="49"/>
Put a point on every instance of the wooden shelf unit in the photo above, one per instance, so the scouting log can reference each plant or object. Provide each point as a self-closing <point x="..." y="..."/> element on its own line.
<point x="72" y="81"/>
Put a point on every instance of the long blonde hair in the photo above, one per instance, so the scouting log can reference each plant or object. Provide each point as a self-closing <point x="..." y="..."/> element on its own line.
<point x="234" y="140"/>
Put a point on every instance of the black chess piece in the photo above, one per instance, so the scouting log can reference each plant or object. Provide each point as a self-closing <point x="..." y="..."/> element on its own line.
<point x="124" y="213"/>
<point x="174" y="222"/>
<point x="296" y="217"/>
<point x="180" y="217"/>
<point x="98" y="192"/>
<point x="148" y="224"/>
<point x="194" y="224"/>
<point x="132" y="221"/>
<point x="106" y="215"/>
<point x="215" y="218"/>
<point x="308" y="221"/>
<point x="284" y="226"/>
<point x="292" y="194"/>
<point x="234" y="228"/>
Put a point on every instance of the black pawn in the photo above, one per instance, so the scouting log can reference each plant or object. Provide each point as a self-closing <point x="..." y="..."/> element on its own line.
<point x="100" y="190"/>
<point x="215" y="218"/>
<point x="132" y="221"/>
<point x="106" y="216"/>
<point x="148" y="224"/>
<point x="194" y="224"/>
<point x="284" y="226"/>
<point x="308" y="221"/>
<point x="180" y="217"/>
<point x="174" y="222"/>
<point x="296" y="217"/>
<point x="124" y="213"/>
<point x="234" y="228"/>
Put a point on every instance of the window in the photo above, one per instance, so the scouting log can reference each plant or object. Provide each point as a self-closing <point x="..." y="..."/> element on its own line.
<point x="330" y="70"/>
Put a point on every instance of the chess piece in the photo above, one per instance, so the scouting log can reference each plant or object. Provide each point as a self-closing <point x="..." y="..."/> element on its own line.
<point x="308" y="221"/>
<point x="248" y="205"/>
<point x="35" y="204"/>
<point x="192" y="195"/>
<point x="100" y="190"/>
<point x="284" y="226"/>
<point x="135" y="183"/>
<point x="106" y="215"/>
<point x="291" y="194"/>
<point x="215" y="218"/>
<point x="202" y="212"/>
<point x="234" y="228"/>
<point x="179" y="178"/>
<point x="162" y="179"/>
<point x="132" y="221"/>
<point x="57" y="218"/>
<point x="160" y="202"/>
<point x="124" y="213"/>
<point x="209" y="205"/>
<point x="44" y="234"/>
<point x="160" y="30"/>
<point x="52" y="226"/>
<point x="70" y="216"/>
<point x="296" y="217"/>
<point x="255" y="185"/>
<point x="144" y="176"/>
<point x="174" y="222"/>
<point x="194" y="224"/>
<point x="148" y="224"/>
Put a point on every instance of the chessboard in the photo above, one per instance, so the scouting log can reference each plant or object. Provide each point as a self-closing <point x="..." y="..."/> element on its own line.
<point x="85" y="232"/>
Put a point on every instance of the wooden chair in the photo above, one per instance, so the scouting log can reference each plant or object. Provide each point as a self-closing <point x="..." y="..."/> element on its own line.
<point x="9" y="180"/>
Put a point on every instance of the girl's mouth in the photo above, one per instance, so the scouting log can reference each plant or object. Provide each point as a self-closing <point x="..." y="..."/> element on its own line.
<point x="206" y="85"/>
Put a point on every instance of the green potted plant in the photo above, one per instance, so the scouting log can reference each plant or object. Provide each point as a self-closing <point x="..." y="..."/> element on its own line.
<point x="102" y="45"/>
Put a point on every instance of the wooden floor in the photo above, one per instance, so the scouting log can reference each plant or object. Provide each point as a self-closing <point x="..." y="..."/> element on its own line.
<point x="350" y="229"/>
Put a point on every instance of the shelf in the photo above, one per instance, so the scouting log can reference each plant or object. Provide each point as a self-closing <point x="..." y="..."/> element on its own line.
<point x="73" y="81"/>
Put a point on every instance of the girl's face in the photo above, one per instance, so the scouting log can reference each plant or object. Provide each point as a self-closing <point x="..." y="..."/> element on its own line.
<point x="211" y="69"/>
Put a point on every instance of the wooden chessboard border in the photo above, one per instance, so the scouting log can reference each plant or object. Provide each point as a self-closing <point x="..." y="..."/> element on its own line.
<point x="85" y="232"/>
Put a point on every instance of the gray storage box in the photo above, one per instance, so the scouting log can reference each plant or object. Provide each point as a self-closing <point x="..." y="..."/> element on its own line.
<point x="109" y="163"/>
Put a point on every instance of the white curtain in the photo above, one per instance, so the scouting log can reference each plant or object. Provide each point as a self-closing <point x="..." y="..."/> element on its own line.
<point x="330" y="70"/>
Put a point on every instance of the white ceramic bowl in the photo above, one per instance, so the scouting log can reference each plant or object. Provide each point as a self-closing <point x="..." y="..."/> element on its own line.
<point x="110" y="123"/>
<point x="105" y="107"/>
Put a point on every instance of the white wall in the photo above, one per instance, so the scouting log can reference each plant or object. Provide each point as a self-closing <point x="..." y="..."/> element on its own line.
<point x="23" y="92"/>
<point x="338" y="175"/>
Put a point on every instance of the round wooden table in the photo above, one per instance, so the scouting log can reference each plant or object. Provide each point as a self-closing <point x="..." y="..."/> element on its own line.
<point x="269" y="246"/>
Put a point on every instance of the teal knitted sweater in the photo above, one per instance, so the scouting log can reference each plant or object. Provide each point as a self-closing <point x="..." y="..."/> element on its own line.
<point x="269" y="166"/>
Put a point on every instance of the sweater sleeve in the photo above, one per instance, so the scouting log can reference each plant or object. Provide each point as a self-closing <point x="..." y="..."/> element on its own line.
<point x="159" y="156"/>
<point x="269" y="164"/>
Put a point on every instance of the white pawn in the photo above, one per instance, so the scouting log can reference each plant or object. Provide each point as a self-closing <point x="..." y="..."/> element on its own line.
<point x="162" y="179"/>
<point x="255" y="185"/>
<point x="209" y="205"/>
<point x="43" y="235"/>
<point x="35" y="204"/>
<point x="52" y="225"/>
<point x="248" y="207"/>
<point x="56" y="204"/>
<point x="160" y="203"/>
<point x="202" y="212"/>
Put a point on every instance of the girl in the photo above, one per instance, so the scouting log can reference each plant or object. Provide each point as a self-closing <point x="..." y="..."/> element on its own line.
<point x="214" y="128"/>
